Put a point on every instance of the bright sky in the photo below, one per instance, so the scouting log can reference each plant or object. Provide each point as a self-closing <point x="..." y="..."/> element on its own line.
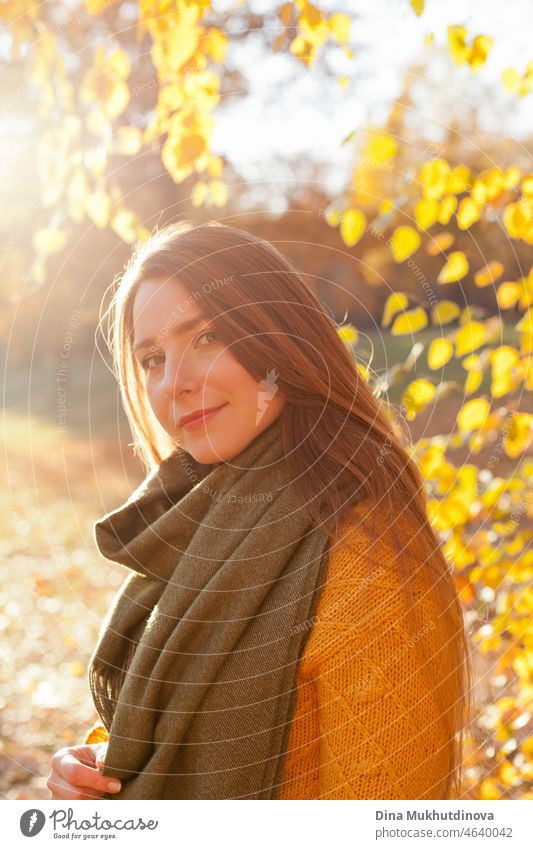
<point x="291" y="111"/>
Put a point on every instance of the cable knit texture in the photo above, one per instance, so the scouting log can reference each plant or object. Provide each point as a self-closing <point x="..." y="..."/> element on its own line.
<point x="367" y="722"/>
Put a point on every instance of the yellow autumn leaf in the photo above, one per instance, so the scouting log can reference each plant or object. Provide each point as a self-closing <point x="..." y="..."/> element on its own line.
<point x="285" y="14"/>
<point x="457" y="44"/>
<point x="304" y="50"/>
<point x="474" y="54"/>
<point x="128" y="141"/>
<point x="525" y="325"/>
<point x="490" y="789"/>
<point x="471" y="363"/>
<point x="519" y="434"/>
<point x="478" y="197"/>
<point x="417" y="7"/>
<point x="98" y="207"/>
<point x="434" y="176"/>
<point x="527" y="372"/>
<point x="426" y="212"/>
<point x="455" y="268"/>
<point x="527" y="185"/>
<point x="181" y="150"/>
<point x="380" y="148"/>
<point x="473" y="415"/>
<point x="103" y="84"/>
<point x="199" y="193"/>
<point x="494" y="181"/>
<point x="353" y="225"/>
<point x="94" y="7"/>
<point x="431" y="459"/>
<point x="518" y="218"/>
<point x="511" y="177"/>
<point x="397" y="302"/>
<point x="125" y="224"/>
<point x="119" y="63"/>
<point x="517" y="83"/>
<point x="470" y="313"/>
<point x="444" y="312"/>
<point x="468" y="213"/>
<point x="508" y="294"/>
<point x="458" y="180"/>
<point x="180" y="43"/>
<point x="418" y="395"/>
<point x="215" y="44"/>
<point x="489" y="273"/>
<point x="469" y="337"/>
<point x="96" y="734"/>
<point x="473" y="381"/>
<point x="503" y="360"/>
<point x="479" y="51"/>
<point x="409" y="322"/>
<point x="440" y="242"/>
<point x="511" y="80"/>
<point x="332" y="215"/>
<point x="526" y="343"/>
<point x="339" y="26"/>
<point x="218" y="192"/>
<point x="404" y="242"/>
<point x="447" y="207"/>
<point x="440" y="351"/>
<point x="48" y="240"/>
<point x="348" y="334"/>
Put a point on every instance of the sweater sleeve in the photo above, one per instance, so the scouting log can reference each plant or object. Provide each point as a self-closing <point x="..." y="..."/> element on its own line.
<point x="379" y="684"/>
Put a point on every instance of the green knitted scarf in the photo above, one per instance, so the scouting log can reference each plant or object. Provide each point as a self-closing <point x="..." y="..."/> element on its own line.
<point x="193" y="674"/>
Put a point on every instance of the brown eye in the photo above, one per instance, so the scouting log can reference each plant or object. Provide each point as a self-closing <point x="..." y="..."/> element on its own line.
<point x="208" y="333"/>
<point x="147" y="362"/>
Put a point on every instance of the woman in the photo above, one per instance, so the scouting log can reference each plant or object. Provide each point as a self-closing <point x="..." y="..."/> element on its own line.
<point x="289" y="626"/>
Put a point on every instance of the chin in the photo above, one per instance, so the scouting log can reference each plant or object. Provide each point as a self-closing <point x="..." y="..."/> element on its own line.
<point x="205" y="454"/>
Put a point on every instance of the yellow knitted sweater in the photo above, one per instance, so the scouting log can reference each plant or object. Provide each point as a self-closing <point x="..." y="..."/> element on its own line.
<point x="366" y="723"/>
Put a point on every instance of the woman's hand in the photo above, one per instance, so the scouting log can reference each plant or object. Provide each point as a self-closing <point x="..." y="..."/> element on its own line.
<point x="76" y="773"/>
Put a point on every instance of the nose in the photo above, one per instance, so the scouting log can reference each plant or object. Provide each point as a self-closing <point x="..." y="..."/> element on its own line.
<point x="178" y="378"/>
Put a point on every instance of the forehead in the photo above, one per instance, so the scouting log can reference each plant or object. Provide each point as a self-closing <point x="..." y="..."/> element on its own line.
<point x="155" y="296"/>
<point x="161" y="304"/>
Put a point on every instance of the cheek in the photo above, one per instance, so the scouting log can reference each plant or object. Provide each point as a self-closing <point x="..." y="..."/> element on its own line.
<point x="152" y="395"/>
<point x="226" y="373"/>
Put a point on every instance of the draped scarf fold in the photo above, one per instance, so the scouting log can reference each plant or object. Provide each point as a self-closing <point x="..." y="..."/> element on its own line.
<point x="193" y="674"/>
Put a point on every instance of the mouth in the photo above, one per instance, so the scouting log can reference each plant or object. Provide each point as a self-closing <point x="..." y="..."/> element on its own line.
<point x="199" y="419"/>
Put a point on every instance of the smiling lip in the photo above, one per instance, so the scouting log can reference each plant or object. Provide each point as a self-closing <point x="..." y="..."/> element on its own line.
<point x="198" y="417"/>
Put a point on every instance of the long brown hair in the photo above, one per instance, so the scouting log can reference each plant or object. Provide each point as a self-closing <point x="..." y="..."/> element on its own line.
<point x="341" y="442"/>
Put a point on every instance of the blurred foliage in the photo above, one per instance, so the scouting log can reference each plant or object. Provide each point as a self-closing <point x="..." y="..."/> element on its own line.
<point x="481" y="504"/>
<point x="434" y="238"/>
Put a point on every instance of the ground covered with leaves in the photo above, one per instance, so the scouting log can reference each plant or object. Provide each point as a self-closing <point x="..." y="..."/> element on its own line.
<point x="55" y="590"/>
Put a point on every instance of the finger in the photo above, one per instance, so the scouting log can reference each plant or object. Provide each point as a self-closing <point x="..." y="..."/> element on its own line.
<point x="80" y="775"/>
<point x="61" y="789"/>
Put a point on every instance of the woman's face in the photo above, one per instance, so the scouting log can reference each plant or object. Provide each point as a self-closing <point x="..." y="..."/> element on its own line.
<point x="188" y="369"/>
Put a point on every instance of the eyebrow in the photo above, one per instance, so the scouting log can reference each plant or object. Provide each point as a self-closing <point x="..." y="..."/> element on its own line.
<point x="180" y="330"/>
